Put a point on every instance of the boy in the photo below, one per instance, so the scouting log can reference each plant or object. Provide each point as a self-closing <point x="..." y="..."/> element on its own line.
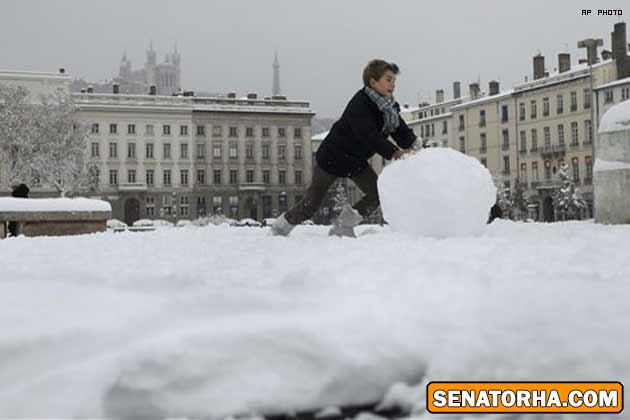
<point x="369" y="119"/>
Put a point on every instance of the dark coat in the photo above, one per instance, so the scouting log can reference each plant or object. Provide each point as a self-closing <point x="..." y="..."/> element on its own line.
<point x="357" y="136"/>
<point x="495" y="213"/>
<point x="20" y="191"/>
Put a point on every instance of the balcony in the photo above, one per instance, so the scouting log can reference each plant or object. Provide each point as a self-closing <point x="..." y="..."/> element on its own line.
<point x="557" y="150"/>
<point x="132" y="186"/>
<point x="252" y="186"/>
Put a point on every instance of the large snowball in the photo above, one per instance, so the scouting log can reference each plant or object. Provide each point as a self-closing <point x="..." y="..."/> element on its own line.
<point x="437" y="192"/>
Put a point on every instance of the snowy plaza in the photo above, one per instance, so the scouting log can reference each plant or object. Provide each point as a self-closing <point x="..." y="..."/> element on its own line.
<point x="205" y="322"/>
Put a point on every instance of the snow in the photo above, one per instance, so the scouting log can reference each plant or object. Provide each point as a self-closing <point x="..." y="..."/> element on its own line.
<point x="617" y="118"/>
<point x="602" y="165"/>
<point x="437" y="192"/>
<point x="53" y="204"/>
<point x="206" y="322"/>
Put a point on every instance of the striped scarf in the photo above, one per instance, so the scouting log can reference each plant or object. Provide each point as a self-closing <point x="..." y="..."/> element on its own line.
<point x="386" y="106"/>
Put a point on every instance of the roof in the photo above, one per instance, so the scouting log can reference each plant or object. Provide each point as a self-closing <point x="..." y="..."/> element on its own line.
<point x="576" y="72"/>
<point x="613" y="84"/>
<point x="483" y="99"/>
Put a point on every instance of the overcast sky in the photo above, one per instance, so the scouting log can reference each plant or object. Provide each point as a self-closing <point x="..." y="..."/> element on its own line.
<point x="323" y="45"/>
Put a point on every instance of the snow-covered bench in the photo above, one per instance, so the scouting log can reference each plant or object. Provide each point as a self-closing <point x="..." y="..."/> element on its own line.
<point x="53" y="216"/>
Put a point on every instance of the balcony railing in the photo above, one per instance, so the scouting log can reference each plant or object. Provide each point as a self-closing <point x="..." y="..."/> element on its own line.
<point x="554" y="150"/>
<point x="252" y="186"/>
<point x="132" y="186"/>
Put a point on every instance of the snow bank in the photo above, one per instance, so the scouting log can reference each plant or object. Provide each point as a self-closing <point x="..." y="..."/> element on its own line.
<point x="437" y="192"/>
<point x="53" y="204"/>
<point x="616" y="118"/>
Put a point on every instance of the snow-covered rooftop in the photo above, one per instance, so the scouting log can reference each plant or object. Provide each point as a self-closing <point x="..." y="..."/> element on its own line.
<point x="576" y="72"/>
<point x="483" y="99"/>
<point x="624" y="81"/>
<point x="33" y="75"/>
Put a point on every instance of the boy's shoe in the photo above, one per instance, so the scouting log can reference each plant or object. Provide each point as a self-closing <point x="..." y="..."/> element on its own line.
<point x="345" y="223"/>
<point x="281" y="227"/>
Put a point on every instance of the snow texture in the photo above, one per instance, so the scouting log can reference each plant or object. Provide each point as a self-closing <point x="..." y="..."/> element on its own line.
<point x="53" y="204"/>
<point x="602" y="165"/>
<point x="617" y="118"/>
<point x="437" y="192"/>
<point x="211" y="321"/>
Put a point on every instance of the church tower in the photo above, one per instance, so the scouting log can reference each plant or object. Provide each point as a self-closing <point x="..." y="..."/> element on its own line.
<point x="124" y="71"/>
<point x="177" y="61"/>
<point x="150" y="67"/>
<point x="275" y="91"/>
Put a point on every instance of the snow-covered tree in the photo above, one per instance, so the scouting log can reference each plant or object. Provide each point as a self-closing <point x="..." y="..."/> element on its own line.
<point x="504" y="198"/>
<point x="44" y="142"/>
<point x="519" y="201"/>
<point x="568" y="199"/>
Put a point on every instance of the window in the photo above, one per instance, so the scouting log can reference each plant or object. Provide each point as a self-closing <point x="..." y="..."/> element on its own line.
<point x="249" y="132"/>
<point x="201" y="130"/>
<point x="561" y="134"/>
<point x="131" y="150"/>
<point x="150" y="177"/>
<point x="573" y="101"/>
<point x="534" y="140"/>
<point x="547" y="170"/>
<point x="482" y="118"/>
<point x="216" y="177"/>
<point x="166" y="130"/>
<point x="587" y="98"/>
<point x="574" y="134"/>
<point x="217" y="204"/>
<point x="282" y="152"/>
<point x="266" y="148"/>
<point x="217" y="131"/>
<point x="96" y="150"/>
<point x="233" y="132"/>
<point x="609" y="96"/>
<point x="523" y="135"/>
<point x="484" y="162"/>
<point x="484" y="145"/>
<point x="506" y="165"/>
<point x="184" y="206"/>
<point x="249" y="176"/>
<point x="504" y="113"/>
<point x="265" y="132"/>
<point x="298" y="178"/>
<point x="95" y="128"/>
<point x="131" y="176"/>
<point x="266" y="177"/>
<point x="183" y="130"/>
<point x="297" y="150"/>
<point x="249" y="151"/>
<point x="131" y="129"/>
<point x="589" y="168"/>
<point x="559" y="104"/>
<point x="547" y="136"/>
<point x="113" y="150"/>
<point x="113" y="128"/>
<point x="167" y="177"/>
<point x="183" y="177"/>
<point x="282" y="177"/>
<point x="432" y="129"/>
<point x="233" y="150"/>
<point x="625" y="93"/>
<point x="545" y="107"/>
<point x="422" y="131"/>
<point x="183" y="151"/>
<point x="444" y="127"/>
<point x="113" y="177"/>
<point x="150" y="206"/>
<point x="166" y="150"/>
<point x="297" y="132"/>
<point x="533" y="109"/>
<point x="461" y="123"/>
<point x="282" y="132"/>
<point x="575" y="169"/>
<point x="523" y="174"/>
<point x="588" y="129"/>
<point x="216" y="150"/>
<point x="201" y="150"/>
<point x="521" y="111"/>
<point x="462" y="144"/>
<point x="149" y="150"/>
<point x="148" y="130"/>
<point x="506" y="140"/>
<point x="535" y="171"/>
<point x="201" y="177"/>
<point x="233" y="176"/>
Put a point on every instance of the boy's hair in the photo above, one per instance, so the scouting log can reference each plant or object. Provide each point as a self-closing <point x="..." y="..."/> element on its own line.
<point x="376" y="68"/>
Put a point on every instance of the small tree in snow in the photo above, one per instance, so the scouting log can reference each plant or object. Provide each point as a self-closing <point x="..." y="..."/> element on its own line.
<point x="568" y="199"/>
<point x="519" y="202"/>
<point x="340" y="199"/>
<point x="504" y="198"/>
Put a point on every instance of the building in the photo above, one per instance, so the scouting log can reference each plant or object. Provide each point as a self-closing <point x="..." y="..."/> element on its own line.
<point x="610" y="94"/>
<point x="37" y="83"/>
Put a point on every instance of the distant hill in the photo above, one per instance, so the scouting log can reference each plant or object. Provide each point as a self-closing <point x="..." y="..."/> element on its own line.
<point x="319" y="125"/>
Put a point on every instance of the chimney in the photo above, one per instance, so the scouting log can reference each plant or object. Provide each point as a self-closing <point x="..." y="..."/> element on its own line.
<point x="474" y="90"/>
<point x="457" y="90"/>
<point x="439" y="96"/>
<point x="189" y="93"/>
<point x="152" y="90"/>
<point x="252" y="96"/>
<point x="564" y="62"/>
<point x="90" y="89"/>
<point x="231" y="95"/>
<point x="539" y="66"/>
<point x="591" y="48"/>
<point x="83" y="90"/>
<point x="62" y="71"/>
<point x="494" y="87"/>
<point x="116" y="88"/>
<point x="619" y="50"/>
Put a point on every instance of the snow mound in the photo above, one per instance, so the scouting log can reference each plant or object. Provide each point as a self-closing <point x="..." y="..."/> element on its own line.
<point x="53" y="204"/>
<point x="617" y="118"/>
<point x="438" y="193"/>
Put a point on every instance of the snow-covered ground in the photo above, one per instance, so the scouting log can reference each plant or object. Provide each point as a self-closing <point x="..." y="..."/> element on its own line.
<point x="212" y="321"/>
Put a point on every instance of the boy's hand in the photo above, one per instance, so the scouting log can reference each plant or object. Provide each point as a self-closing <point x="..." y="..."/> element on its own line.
<point x="399" y="153"/>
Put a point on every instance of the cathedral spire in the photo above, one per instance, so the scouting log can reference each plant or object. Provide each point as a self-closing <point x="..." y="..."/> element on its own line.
<point x="275" y="91"/>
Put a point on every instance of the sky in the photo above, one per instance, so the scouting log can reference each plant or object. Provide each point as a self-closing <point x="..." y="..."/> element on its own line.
<point x="322" y="45"/>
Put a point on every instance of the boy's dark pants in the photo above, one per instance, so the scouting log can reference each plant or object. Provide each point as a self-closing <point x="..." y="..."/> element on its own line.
<point x="322" y="180"/>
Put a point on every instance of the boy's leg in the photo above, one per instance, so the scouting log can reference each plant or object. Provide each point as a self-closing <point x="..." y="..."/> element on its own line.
<point x="366" y="181"/>
<point x="313" y="198"/>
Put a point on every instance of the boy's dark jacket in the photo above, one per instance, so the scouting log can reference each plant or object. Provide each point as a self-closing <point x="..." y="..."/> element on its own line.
<point x="356" y="136"/>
